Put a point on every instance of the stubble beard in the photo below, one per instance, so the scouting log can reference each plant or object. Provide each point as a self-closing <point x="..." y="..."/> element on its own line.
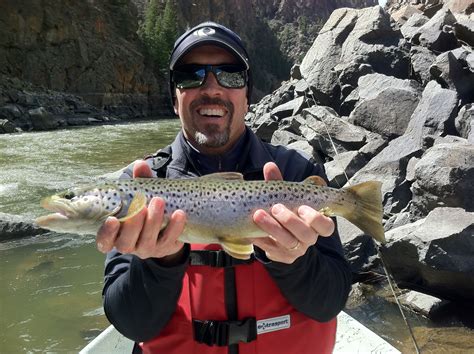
<point x="211" y="135"/>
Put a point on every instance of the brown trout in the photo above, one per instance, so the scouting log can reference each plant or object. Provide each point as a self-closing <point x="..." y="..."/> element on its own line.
<point x="219" y="206"/>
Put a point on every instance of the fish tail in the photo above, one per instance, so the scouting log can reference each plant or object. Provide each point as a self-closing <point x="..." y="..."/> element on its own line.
<point x="368" y="211"/>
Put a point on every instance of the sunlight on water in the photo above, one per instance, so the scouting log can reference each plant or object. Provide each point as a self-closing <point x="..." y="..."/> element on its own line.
<point x="51" y="284"/>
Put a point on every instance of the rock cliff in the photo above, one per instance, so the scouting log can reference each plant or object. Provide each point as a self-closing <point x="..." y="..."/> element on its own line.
<point x="89" y="49"/>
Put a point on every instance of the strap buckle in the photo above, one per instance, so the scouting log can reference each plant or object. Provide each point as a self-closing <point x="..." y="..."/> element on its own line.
<point x="217" y="259"/>
<point x="224" y="333"/>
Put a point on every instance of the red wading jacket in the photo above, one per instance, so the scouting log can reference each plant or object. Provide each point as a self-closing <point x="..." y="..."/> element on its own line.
<point x="279" y="327"/>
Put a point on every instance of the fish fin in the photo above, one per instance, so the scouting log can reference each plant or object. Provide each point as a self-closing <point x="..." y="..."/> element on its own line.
<point x="369" y="210"/>
<point x="137" y="204"/>
<point x="224" y="176"/>
<point x="240" y="249"/>
<point x="317" y="180"/>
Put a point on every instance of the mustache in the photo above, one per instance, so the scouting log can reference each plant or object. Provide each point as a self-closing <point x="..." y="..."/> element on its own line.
<point x="212" y="101"/>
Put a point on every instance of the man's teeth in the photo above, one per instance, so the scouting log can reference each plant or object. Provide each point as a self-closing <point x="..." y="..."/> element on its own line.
<point x="211" y="112"/>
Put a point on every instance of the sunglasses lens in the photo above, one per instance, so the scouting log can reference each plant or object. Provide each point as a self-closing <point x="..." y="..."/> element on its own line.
<point x="189" y="77"/>
<point x="231" y="76"/>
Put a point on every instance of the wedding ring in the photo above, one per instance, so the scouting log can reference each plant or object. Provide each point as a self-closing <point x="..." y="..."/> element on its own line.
<point x="295" y="247"/>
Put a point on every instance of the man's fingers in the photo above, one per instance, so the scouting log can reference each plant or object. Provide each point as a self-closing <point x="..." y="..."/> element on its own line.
<point x="322" y="224"/>
<point x="107" y="234"/>
<point x="174" y="229"/>
<point x="151" y="226"/>
<point x="271" y="172"/>
<point x="272" y="227"/>
<point x="129" y="232"/>
<point x="141" y="169"/>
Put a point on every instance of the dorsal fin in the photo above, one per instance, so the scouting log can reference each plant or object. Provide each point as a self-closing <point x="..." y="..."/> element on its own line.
<point x="228" y="176"/>
<point x="317" y="180"/>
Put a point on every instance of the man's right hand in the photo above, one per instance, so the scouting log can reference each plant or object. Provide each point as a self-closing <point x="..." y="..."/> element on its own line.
<point x="140" y="235"/>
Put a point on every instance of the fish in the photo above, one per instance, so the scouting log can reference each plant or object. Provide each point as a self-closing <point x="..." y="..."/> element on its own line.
<point x="219" y="206"/>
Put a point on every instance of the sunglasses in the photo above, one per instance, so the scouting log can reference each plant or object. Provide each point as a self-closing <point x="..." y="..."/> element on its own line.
<point x="194" y="75"/>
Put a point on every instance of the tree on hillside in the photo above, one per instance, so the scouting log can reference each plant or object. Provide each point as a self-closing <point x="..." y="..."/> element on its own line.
<point x="159" y="31"/>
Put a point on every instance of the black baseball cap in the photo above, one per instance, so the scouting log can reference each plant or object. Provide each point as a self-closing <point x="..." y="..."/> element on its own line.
<point x="214" y="34"/>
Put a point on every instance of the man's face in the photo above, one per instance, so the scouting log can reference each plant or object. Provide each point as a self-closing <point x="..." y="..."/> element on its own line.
<point x="212" y="116"/>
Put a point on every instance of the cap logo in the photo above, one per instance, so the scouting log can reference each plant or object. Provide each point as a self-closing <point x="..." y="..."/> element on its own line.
<point x="204" y="32"/>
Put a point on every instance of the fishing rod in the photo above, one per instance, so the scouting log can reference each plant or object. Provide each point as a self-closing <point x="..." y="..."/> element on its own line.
<point x="390" y="279"/>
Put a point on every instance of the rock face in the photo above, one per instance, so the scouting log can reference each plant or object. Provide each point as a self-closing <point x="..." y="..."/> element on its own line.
<point x="89" y="49"/>
<point x="376" y="99"/>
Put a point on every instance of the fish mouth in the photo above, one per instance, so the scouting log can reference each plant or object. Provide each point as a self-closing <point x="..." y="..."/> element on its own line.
<point x="59" y="206"/>
<point x="46" y="220"/>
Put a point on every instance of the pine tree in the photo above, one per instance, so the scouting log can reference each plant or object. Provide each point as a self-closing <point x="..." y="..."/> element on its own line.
<point x="159" y="31"/>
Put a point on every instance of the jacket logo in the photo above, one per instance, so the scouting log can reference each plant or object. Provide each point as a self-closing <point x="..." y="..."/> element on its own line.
<point x="273" y="324"/>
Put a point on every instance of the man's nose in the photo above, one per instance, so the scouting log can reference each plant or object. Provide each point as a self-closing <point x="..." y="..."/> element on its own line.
<point x="211" y="86"/>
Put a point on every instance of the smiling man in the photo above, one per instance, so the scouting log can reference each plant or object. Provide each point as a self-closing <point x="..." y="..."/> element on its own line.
<point x="171" y="297"/>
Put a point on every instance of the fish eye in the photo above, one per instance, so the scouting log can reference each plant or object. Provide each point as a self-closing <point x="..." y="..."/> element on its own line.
<point x="69" y="195"/>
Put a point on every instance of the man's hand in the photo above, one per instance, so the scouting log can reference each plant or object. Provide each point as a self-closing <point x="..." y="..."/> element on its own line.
<point x="140" y="235"/>
<point x="290" y="234"/>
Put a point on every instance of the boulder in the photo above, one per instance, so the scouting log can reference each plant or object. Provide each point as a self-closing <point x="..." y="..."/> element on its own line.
<point x="15" y="226"/>
<point x="318" y="63"/>
<point x="349" y="39"/>
<point x="284" y="137"/>
<point x="451" y="69"/>
<point x="434" y="254"/>
<point x="444" y="176"/>
<point x="41" y="119"/>
<point x="464" y="28"/>
<point x="410" y="28"/>
<point x="435" y="112"/>
<point x="464" y="122"/>
<point x="421" y="60"/>
<point x="389" y="166"/>
<point x="324" y="129"/>
<point x="421" y="303"/>
<point x="404" y="13"/>
<point x="359" y="249"/>
<point x="289" y="108"/>
<point x="6" y="126"/>
<point x="438" y="33"/>
<point x="307" y="149"/>
<point x="385" y="104"/>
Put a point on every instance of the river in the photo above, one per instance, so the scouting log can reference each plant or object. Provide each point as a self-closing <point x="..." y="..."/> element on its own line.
<point x="50" y="298"/>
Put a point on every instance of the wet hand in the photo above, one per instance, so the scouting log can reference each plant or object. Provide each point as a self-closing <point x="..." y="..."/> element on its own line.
<point x="290" y="233"/>
<point x="140" y="235"/>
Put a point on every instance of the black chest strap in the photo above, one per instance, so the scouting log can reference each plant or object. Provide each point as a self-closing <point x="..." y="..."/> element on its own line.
<point x="161" y="160"/>
<point x="216" y="259"/>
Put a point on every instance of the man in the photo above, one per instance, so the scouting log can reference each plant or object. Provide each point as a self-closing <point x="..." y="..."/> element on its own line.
<point x="178" y="298"/>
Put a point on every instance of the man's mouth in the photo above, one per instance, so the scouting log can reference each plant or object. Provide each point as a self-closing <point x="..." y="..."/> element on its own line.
<point x="212" y="112"/>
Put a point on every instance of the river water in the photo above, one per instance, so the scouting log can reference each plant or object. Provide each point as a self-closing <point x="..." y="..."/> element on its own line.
<point x="50" y="298"/>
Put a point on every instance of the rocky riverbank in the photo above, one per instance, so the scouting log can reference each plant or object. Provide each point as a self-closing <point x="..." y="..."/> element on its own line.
<point x="393" y="96"/>
<point x="26" y="107"/>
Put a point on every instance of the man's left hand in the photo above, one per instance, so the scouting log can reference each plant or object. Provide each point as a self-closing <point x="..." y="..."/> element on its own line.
<point x="290" y="233"/>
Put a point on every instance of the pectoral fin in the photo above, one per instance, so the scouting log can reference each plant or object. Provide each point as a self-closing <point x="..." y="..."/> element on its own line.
<point x="137" y="204"/>
<point x="240" y="249"/>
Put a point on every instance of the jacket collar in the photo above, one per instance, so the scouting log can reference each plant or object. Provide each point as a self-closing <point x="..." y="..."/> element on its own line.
<point x="250" y="157"/>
